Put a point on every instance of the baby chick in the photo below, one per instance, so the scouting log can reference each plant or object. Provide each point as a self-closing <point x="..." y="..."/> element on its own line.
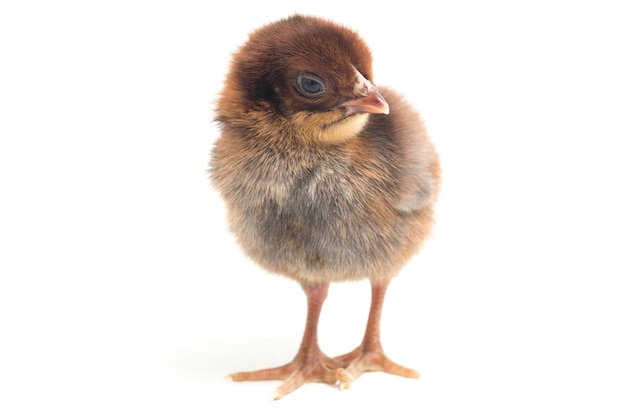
<point x="326" y="178"/>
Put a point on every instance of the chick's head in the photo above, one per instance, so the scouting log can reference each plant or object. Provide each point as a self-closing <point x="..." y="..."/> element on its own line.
<point x="313" y="75"/>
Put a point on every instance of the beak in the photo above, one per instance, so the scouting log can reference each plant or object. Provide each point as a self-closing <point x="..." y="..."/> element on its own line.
<point x="373" y="103"/>
<point x="369" y="99"/>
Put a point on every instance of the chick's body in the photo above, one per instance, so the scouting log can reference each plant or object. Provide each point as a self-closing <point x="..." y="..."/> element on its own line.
<point x="320" y="183"/>
<point x="331" y="212"/>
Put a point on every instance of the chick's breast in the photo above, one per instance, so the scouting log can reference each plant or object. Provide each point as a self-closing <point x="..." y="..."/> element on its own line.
<point x="331" y="212"/>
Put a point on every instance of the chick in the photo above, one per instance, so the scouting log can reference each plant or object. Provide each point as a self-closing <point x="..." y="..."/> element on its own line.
<point x="326" y="178"/>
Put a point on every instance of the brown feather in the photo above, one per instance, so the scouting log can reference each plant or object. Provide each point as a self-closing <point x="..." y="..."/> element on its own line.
<point x="312" y="194"/>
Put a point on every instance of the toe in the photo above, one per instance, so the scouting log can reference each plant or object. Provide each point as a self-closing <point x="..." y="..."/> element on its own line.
<point x="344" y="379"/>
<point x="362" y="362"/>
<point x="389" y="366"/>
<point x="279" y="373"/>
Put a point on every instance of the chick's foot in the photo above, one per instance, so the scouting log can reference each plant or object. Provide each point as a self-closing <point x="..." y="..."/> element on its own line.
<point x="314" y="367"/>
<point x="369" y="356"/>
<point x="310" y="364"/>
<point x="360" y="360"/>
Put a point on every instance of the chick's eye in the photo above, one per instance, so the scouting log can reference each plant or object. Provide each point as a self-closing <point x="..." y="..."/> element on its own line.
<point x="310" y="85"/>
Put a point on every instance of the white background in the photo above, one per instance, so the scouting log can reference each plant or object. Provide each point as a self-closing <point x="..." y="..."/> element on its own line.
<point x="123" y="294"/>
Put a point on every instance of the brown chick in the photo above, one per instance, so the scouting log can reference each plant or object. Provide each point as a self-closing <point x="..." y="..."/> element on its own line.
<point x="326" y="178"/>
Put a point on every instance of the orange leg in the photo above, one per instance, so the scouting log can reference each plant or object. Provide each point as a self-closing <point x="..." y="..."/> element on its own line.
<point x="310" y="364"/>
<point x="369" y="356"/>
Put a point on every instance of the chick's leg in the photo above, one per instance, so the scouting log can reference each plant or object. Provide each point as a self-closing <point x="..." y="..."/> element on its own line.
<point x="310" y="364"/>
<point x="369" y="356"/>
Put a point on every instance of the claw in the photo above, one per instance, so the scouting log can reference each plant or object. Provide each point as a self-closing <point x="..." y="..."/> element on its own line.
<point x="344" y="379"/>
